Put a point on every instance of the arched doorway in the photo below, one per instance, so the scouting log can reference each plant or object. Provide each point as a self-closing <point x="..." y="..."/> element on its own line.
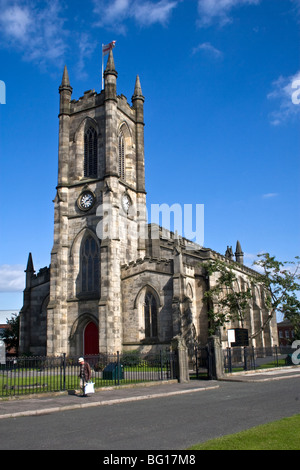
<point x="91" y="339"/>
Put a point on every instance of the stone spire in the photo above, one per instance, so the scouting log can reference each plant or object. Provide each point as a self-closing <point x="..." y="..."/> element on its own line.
<point x="29" y="267"/>
<point x="110" y="66"/>
<point x="65" y="91"/>
<point x="239" y="255"/>
<point x="137" y="94"/>
<point x="138" y="105"/>
<point x="110" y="78"/>
<point x="29" y="270"/>
<point x="65" y="83"/>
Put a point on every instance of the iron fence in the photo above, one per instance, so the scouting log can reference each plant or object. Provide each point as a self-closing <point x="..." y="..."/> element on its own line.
<point x="27" y="375"/>
<point x="250" y="358"/>
<point x="203" y="362"/>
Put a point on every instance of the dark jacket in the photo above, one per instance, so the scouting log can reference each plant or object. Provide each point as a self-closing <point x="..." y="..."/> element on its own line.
<point x="85" y="371"/>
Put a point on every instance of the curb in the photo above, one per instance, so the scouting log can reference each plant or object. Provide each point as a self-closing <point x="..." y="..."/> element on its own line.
<point x="101" y="403"/>
<point x="256" y="380"/>
<point x="262" y="375"/>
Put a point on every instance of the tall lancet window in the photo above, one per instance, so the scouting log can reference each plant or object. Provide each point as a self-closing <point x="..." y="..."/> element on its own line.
<point x="89" y="266"/>
<point x="150" y="312"/>
<point x="90" y="153"/>
<point x="121" y="156"/>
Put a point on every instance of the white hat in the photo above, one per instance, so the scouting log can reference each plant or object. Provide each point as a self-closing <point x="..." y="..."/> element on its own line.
<point x="81" y="359"/>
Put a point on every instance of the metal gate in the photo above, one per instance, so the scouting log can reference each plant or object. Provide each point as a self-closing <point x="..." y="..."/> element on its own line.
<point x="204" y="362"/>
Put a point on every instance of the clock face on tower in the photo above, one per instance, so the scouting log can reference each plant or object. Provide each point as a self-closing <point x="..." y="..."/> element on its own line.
<point x="86" y="200"/>
<point x="126" y="202"/>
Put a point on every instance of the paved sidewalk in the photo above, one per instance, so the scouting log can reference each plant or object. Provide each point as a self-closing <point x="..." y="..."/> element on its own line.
<point x="53" y="403"/>
<point x="264" y="375"/>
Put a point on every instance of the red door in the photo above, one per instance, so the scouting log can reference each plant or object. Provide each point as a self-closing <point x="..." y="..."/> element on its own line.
<point x="91" y="339"/>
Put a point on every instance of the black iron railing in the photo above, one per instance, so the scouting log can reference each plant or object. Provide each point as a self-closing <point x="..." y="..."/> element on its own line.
<point x="203" y="362"/>
<point x="26" y="375"/>
<point x="250" y="358"/>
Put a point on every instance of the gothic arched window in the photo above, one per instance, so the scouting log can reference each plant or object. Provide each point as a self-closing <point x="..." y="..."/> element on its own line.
<point x="150" y="313"/>
<point x="89" y="266"/>
<point x="121" y="156"/>
<point x="90" y="152"/>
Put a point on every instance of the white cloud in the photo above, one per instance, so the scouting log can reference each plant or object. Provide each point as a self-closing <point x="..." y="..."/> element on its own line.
<point x="112" y="14"/>
<point x="86" y="48"/>
<point x="209" y="49"/>
<point x="218" y="10"/>
<point x="37" y="32"/>
<point x="12" y="278"/>
<point x="286" y="92"/>
<point x="16" y="22"/>
<point x="147" y="13"/>
<point x="269" y="195"/>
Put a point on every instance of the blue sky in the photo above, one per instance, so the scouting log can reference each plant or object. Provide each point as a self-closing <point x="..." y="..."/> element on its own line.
<point x="222" y="127"/>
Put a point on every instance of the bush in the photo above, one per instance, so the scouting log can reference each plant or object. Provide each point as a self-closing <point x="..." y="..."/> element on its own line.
<point x="101" y="363"/>
<point x="131" y="358"/>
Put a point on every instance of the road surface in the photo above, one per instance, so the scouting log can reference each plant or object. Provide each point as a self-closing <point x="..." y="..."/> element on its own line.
<point x="170" y="423"/>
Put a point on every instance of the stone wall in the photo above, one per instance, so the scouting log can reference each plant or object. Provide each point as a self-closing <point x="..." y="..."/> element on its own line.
<point x="33" y="316"/>
<point x="138" y="277"/>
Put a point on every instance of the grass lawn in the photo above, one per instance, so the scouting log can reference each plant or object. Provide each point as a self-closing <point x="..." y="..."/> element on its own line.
<point x="278" y="435"/>
<point x="27" y="381"/>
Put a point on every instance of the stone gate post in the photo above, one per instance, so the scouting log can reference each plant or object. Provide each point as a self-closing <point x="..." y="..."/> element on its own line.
<point x="178" y="345"/>
<point x="217" y="364"/>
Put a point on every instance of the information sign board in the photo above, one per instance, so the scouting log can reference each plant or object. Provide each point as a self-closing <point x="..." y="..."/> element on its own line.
<point x="238" y="337"/>
<point x="2" y="352"/>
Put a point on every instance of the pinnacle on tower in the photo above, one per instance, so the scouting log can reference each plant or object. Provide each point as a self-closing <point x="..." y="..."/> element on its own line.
<point x="229" y="253"/>
<point x="65" y="91"/>
<point x="239" y="255"/>
<point x="29" y="271"/>
<point x="137" y="94"/>
<point x="110" y="66"/>
<point x="65" y="83"/>
<point x="110" y="78"/>
<point x="138" y="105"/>
<point x="29" y="268"/>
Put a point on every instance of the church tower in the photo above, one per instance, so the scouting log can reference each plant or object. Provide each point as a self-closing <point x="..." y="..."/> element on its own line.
<point x="99" y="215"/>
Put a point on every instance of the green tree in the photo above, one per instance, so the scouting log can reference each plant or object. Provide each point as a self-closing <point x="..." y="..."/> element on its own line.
<point x="228" y="301"/>
<point x="11" y="334"/>
<point x="281" y="281"/>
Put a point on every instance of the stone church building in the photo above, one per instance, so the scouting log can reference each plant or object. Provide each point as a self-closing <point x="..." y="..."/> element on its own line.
<point x="116" y="282"/>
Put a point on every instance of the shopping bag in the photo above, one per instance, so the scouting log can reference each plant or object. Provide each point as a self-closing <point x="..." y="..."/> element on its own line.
<point x="89" y="388"/>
